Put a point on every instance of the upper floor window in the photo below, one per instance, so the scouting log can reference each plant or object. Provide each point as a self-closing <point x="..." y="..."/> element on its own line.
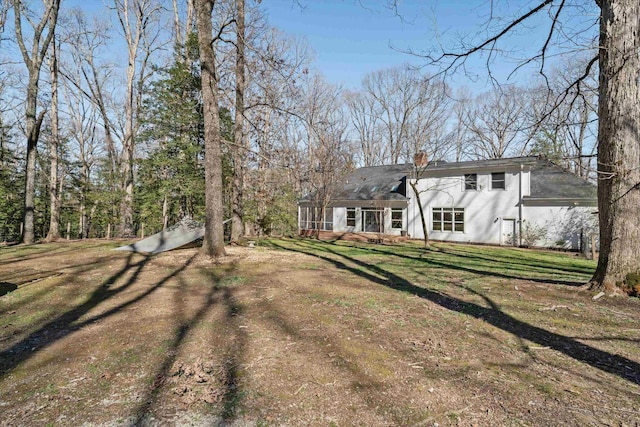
<point x="471" y="181"/>
<point x="497" y="181"/>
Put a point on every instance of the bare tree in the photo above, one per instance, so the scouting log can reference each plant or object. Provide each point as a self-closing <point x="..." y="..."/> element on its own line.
<point x="399" y="106"/>
<point x="136" y="18"/>
<point x="366" y="121"/>
<point x="618" y="60"/>
<point x="83" y="137"/>
<point x="90" y="78"/>
<point x="563" y="123"/>
<point x="460" y="135"/>
<point x="43" y="32"/>
<point x="239" y="150"/>
<point x="54" y="194"/>
<point x="324" y="138"/>
<point x="213" y="244"/>
<point x="496" y="124"/>
<point x="4" y="9"/>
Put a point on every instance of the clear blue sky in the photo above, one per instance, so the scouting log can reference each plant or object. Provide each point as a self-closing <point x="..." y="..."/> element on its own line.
<point x="352" y="38"/>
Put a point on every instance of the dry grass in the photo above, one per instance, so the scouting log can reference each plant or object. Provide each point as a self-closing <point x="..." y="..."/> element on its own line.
<point x="300" y="332"/>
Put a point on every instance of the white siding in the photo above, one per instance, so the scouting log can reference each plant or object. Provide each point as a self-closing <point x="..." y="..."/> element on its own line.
<point x="484" y="208"/>
<point x="488" y="213"/>
<point x="562" y="225"/>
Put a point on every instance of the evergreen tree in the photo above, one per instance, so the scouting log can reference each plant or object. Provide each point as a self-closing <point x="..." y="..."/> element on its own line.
<point x="171" y="177"/>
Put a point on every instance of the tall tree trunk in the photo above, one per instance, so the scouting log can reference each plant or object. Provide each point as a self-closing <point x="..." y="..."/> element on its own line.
<point x="33" y="134"/>
<point x="126" y="167"/>
<point x="84" y="178"/>
<point x="239" y="149"/>
<point x="54" y="196"/>
<point x="213" y="244"/>
<point x="33" y="61"/>
<point x="135" y="17"/>
<point x="618" y="143"/>
<point x="423" y="220"/>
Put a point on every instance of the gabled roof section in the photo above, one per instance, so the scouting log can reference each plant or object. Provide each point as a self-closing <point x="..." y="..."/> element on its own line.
<point x="549" y="181"/>
<point x="479" y="165"/>
<point x="374" y="183"/>
<point x="388" y="183"/>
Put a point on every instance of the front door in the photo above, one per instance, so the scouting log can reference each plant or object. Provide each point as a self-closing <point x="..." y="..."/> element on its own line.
<point x="372" y="221"/>
<point x="509" y="235"/>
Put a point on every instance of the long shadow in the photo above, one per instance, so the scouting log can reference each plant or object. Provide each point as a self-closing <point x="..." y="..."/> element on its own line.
<point x="495" y="268"/>
<point x="42" y="293"/>
<point x="45" y="252"/>
<point x="478" y="271"/>
<point x="540" y="265"/>
<point x="180" y="334"/>
<point x="232" y="394"/>
<point x="612" y="363"/>
<point x="6" y="287"/>
<point x="66" y="323"/>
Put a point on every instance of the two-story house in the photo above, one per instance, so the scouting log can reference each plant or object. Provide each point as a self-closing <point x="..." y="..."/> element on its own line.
<point x="515" y="201"/>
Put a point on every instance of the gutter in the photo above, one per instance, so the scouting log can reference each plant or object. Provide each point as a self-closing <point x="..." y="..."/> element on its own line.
<point x="560" y="201"/>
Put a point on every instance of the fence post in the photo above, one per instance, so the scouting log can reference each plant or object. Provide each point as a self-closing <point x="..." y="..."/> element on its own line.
<point x="68" y="230"/>
<point x="108" y="231"/>
<point x="143" y="230"/>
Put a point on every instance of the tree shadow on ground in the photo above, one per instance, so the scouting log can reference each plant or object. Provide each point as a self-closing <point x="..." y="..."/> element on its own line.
<point x="517" y="262"/>
<point x="37" y="251"/>
<point x="479" y="269"/>
<point x="599" y="359"/>
<point x="67" y="323"/>
<point x="6" y="287"/>
<point x="216" y="295"/>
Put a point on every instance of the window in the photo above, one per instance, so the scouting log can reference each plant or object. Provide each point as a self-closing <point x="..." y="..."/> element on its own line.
<point x="448" y="219"/>
<point x="310" y="218"/>
<point x="351" y="217"/>
<point x="470" y="181"/>
<point x="497" y="181"/>
<point x="396" y="218"/>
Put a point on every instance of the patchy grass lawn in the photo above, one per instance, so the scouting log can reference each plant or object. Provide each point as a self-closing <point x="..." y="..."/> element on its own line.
<point x="303" y="332"/>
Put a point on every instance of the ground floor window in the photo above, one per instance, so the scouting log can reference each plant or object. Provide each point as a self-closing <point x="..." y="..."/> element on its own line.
<point x="372" y="220"/>
<point x="448" y="219"/>
<point x="351" y="217"/>
<point x="396" y="218"/>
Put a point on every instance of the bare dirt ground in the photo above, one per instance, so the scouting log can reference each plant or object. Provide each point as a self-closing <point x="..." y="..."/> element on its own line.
<point x="310" y="333"/>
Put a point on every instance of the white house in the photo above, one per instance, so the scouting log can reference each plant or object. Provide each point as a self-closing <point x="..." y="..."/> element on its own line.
<point x="515" y="201"/>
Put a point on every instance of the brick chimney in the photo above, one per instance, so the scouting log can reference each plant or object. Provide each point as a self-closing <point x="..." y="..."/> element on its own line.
<point x="420" y="159"/>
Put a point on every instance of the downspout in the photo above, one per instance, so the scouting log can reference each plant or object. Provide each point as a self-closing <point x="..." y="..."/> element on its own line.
<point x="520" y="207"/>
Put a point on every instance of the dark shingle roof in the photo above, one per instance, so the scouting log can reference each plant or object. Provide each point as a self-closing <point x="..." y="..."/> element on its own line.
<point x="549" y="181"/>
<point x="374" y="183"/>
<point x="481" y="164"/>
<point x="388" y="182"/>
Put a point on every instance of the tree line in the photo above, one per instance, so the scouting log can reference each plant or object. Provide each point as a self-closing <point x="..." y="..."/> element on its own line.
<point x="144" y="112"/>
